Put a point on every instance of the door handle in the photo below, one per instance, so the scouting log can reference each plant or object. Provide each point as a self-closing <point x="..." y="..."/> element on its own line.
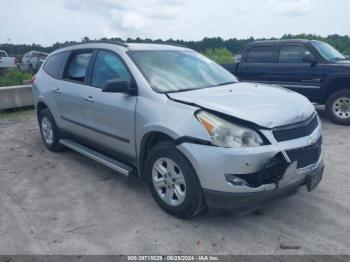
<point x="58" y="91"/>
<point x="89" y="99"/>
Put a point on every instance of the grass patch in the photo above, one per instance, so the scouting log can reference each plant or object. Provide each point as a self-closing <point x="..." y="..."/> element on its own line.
<point x="14" y="77"/>
<point x="219" y="55"/>
<point x="18" y="113"/>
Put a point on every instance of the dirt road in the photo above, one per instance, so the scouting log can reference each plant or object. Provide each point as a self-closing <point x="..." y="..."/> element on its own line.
<point x="67" y="204"/>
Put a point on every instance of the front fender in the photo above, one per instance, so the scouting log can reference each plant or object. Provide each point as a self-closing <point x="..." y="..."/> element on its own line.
<point x="167" y="117"/>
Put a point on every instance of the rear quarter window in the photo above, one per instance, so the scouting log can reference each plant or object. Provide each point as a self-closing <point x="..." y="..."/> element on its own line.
<point x="260" y="54"/>
<point x="55" y="63"/>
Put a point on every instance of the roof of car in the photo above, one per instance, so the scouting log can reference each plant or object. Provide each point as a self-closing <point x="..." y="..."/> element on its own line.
<point x="276" y="42"/>
<point x="127" y="46"/>
<point x="36" y="52"/>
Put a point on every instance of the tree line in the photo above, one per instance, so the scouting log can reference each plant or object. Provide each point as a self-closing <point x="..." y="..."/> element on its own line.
<point x="206" y="45"/>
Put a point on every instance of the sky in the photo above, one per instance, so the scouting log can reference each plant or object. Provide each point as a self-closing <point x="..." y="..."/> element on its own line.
<point x="48" y="21"/>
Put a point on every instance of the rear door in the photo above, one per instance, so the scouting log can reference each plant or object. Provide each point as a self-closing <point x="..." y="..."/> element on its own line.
<point x="293" y="73"/>
<point x="109" y="118"/>
<point x="69" y="93"/>
<point x="257" y="63"/>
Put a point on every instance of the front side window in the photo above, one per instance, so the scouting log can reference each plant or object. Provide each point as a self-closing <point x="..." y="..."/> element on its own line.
<point x="108" y="66"/>
<point x="327" y="51"/>
<point x="77" y="66"/>
<point x="177" y="70"/>
<point x="2" y="54"/>
<point x="55" y="63"/>
<point x="260" y="54"/>
<point x="293" y="54"/>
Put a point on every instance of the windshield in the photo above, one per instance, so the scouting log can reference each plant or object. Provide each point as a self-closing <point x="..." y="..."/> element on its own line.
<point x="327" y="51"/>
<point x="176" y="71"/>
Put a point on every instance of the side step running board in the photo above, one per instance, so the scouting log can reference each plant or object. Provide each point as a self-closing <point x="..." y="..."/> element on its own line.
<point x="101" y="158"/>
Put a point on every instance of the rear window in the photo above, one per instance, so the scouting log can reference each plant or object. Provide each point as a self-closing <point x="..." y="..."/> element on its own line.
<point x="260" y="54"/>
<point x="42" y="56"/>
<point x="54" y="64"/>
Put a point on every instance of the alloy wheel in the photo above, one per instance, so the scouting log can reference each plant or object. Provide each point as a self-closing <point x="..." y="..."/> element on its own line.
<point x="46" y="129"/>
<point x="169" y="181"/>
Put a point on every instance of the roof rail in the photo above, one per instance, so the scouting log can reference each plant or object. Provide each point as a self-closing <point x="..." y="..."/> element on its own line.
<point x="99" y="42"/>
<point x="159" y="43"/>
<point x="124" y="44"/>
<point x="173" y="44"/>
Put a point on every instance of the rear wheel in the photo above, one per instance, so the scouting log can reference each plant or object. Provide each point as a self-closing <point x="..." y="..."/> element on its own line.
<point x="173" y="182"/>
<point x="49" y="131"/>
<point x="338" y="107"/>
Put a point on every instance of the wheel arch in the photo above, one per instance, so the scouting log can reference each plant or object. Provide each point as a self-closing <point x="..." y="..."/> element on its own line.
<point x="40" y="106"/>
<point x="336" y="84"/>
<point x="148" y="141"/>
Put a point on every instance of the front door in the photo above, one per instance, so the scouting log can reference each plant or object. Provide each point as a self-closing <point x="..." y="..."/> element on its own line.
<point x="110" y="117"/>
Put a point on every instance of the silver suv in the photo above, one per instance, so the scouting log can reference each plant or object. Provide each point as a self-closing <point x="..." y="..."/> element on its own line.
<point x="199" y="137"/>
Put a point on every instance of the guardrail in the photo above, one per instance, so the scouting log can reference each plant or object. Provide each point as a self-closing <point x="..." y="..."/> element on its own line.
<point x="16" y="96"/>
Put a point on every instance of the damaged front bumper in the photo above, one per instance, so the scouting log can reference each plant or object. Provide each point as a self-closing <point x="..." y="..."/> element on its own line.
<point x="240" y="180"/>
<point x="222" y="202"/>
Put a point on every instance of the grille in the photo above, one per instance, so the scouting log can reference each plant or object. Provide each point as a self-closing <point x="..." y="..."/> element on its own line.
<point x="307" y="155"/>
<point x="296" y="131"/>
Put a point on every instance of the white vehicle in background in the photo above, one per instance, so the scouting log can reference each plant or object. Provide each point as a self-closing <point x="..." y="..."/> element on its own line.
<point x="32" y="61"/>
<point x="7" y="62"/>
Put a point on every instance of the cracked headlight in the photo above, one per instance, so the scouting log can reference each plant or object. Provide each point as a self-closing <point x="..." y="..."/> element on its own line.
<point x="227" y="134"/>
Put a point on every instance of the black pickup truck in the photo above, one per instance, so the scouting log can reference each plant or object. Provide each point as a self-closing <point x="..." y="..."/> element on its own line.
<point x="312" y="68"/>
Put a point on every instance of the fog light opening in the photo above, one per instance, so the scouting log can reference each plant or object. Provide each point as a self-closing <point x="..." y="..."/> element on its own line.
<point x="236" y="181"/>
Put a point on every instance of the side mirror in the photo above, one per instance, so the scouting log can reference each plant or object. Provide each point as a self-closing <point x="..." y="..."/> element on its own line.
<point x="116" y="85"/>
<point x="309" y="58"/>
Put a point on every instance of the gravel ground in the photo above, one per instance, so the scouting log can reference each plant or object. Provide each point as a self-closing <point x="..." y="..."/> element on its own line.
<point x="67" y="204"/>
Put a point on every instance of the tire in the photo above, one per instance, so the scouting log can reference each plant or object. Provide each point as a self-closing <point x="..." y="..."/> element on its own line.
<point x="338" y="107"/>
<point x="188" y="204"/>
<point x="49" y="131"/>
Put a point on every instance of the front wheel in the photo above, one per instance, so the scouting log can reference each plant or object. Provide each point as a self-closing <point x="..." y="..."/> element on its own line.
<point x="338" y="107"/>
<point x="173" y="182"/>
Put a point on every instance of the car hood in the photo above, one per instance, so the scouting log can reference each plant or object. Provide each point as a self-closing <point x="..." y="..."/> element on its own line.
<point x="266" y="106"/>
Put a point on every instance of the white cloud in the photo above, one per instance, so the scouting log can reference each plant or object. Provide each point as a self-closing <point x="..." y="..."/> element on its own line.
<point x="46" y="22"/>
<point x="132" y="21"/>
<point x="130" y="18"/>
<point x="291" y="7"/>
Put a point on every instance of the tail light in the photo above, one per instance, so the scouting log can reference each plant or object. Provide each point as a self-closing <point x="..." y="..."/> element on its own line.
<point x="33" y="80"/>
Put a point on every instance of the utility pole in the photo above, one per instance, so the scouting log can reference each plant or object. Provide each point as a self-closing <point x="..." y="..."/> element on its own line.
<point x="9" y="40"/>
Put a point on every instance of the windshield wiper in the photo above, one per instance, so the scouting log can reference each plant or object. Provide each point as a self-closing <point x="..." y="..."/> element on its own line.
<point x="226" y="83"/>
<point x="198" y="88"/>
<point x="185" y="90"/>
